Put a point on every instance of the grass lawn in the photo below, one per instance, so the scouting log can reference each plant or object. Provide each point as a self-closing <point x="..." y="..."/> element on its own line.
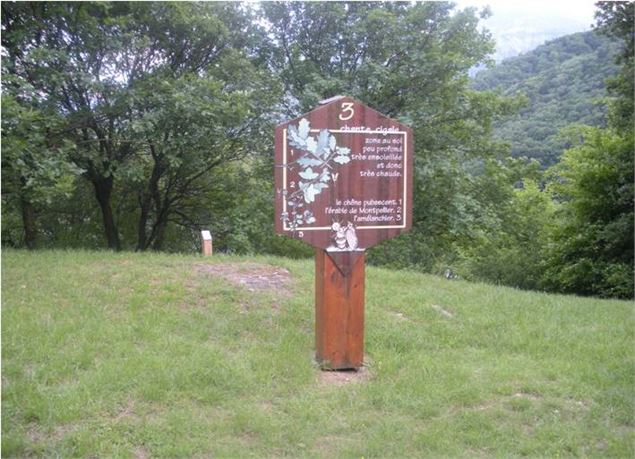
<point x="148" y="355"/>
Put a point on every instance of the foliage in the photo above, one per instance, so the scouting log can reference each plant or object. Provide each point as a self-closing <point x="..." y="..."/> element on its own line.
<point x="147" y="122"/>
<point x="577" y="235"/>
<point x="592" y="247"/>
<point x="564" y="82"/>
<point x="154" y="96"/>
<point x="35" y="167"/>
<point x="411" y="62"/>
<point x="193" y="127"/>
<point x="617" y="20"/>
<point x="383" y="54"/>
<point x="512" y="252"/>
<point x="160" y="122"/>
<point x="63" y="60"/>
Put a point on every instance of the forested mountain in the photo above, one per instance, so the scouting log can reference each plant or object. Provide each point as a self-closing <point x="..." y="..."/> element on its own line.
<point x="564" y="82"/>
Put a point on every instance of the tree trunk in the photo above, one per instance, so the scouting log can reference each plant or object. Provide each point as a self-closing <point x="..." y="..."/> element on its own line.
<point x="146" y="200"/>
<point x="28" y="221"/>
<point x="142" y="238"/>
<point x="103" y="191"/>
<point x="160" y="233"/>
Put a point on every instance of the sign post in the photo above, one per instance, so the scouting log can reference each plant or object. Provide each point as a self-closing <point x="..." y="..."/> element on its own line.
<point x="206" y="243"/>
<point x="343" y="184"/>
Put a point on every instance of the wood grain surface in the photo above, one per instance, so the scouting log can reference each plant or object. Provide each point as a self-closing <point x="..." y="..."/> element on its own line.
<point x="339" y="313"/>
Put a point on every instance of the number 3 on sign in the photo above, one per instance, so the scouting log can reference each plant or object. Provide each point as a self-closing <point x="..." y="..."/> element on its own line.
<point x="347" y="111"/>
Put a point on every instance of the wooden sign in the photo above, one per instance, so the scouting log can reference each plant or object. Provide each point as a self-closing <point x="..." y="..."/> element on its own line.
<point x="343" y="181"/>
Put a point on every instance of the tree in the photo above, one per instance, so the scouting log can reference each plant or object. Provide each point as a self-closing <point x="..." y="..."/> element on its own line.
<point x="513" y="253"/>
<point x="63" y="50"/>
<point x="617" y="20"/>
<point x="593" y="249"/>
<point x="114" y="73"/>
<point x="192" y="126"/>
<point x="411" y="62"/>
<point x="35" y="166"/>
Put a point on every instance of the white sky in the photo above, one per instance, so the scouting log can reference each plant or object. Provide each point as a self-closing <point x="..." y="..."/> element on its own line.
<point x="518" y="26"/>
<point x="576" y="10"/>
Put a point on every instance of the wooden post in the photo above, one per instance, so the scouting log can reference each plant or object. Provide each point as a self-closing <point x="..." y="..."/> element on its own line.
<point x="206" y="243"/>
<point x="339" y="313"/>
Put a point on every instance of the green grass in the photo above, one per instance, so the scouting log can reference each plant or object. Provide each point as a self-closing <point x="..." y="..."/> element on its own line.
<point x="128" y="355"/>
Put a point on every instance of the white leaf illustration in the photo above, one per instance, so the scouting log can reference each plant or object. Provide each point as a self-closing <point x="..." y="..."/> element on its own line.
<point x="308" y="190"/>
<point x="295" y="139"/>
<point x="308" y="161"/>
<point x="308" y="174"/>
<point x="303" y="128"/>
<point x="311" y="145"/>
<point x="323" y="142"/>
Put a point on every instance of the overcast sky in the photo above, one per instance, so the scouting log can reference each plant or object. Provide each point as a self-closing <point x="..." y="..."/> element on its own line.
<point x="574" y="11"/>
<point x="521" y="25"/>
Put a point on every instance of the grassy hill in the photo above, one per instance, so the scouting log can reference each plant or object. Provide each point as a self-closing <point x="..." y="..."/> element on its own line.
<point x="149" y="355"/>
<point x="564" y="82"/>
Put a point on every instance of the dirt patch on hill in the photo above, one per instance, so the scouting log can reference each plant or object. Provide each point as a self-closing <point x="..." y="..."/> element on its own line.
<point x="343" y="378"/>
<point x="252" y="276"/>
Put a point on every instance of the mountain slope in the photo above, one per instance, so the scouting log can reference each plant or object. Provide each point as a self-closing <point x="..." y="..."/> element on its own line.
<point x="564" y="81"/>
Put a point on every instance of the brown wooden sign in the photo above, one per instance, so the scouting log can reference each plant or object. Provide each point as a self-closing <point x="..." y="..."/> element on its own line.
<point x="343" y="182"/>
<point x="343" y="177"/>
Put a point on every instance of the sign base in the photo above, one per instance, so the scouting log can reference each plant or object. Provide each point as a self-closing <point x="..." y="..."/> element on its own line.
<point x="339" y="312"/>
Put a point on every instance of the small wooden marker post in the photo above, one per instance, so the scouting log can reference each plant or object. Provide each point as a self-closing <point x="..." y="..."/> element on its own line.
<point x="206" y="243"/>
<point x="343" y="184"/>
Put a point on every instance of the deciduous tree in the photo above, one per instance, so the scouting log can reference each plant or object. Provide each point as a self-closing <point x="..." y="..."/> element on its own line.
<point x="411" y="62"/>
<point x="152" y="95"/>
